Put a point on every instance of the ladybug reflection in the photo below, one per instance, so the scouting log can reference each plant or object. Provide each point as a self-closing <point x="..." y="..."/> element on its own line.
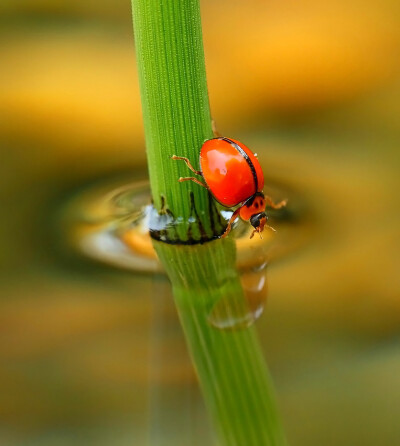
<point x="234" y="177"/>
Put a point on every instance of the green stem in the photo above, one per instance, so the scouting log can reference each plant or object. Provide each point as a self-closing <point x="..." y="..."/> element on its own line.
<point x="230" y="366"/>
<point x="175" y="105"/>
<point x="232" y="371"/>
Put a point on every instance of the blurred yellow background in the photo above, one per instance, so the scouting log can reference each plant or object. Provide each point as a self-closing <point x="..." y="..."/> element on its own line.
<point x="314" y="88"/>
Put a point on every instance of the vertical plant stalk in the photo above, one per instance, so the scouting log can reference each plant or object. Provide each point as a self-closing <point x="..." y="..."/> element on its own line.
<point x="229" y="364"/>
<point x="175" y="106"/>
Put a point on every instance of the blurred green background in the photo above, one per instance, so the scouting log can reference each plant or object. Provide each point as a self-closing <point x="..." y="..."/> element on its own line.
<point x="94" y="355"/>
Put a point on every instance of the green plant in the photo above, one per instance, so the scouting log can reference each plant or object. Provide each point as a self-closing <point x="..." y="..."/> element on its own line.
<point x="201" y="267"/>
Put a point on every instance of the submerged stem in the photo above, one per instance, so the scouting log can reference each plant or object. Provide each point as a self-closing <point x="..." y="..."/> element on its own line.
<point x="231" y="369"/>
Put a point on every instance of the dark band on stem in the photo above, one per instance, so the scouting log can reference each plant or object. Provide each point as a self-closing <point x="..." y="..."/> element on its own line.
<point x="163" y="224"/>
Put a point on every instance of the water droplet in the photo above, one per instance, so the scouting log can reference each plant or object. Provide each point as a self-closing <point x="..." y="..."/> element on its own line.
<point x="241" y="310"/>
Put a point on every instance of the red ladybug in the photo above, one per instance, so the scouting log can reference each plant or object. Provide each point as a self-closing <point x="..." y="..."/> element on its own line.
<point x="234" y="177"/>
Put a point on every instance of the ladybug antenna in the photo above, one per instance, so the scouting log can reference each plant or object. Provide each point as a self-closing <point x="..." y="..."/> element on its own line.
<point x="259" y="232"/>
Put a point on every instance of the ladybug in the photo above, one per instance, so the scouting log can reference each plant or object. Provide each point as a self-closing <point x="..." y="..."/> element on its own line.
<point x="233" y="175"/>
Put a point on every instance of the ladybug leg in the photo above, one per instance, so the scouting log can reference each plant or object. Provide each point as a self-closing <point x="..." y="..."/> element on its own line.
<point x="256" y="230"/>
<point x="230" y="223"/>
<point x="174" y="157"/>
<point x="195" y="180"/>
<point x="252" y="234"/>
<point x="214" y="129"/>
<point x="273" y="205"/>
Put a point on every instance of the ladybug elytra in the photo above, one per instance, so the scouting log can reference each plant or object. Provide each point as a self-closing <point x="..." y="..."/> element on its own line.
<point x="233" y="175"/>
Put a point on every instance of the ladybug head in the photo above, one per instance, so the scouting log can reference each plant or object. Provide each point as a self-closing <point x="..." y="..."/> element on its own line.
<point x="258" y="222"/>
